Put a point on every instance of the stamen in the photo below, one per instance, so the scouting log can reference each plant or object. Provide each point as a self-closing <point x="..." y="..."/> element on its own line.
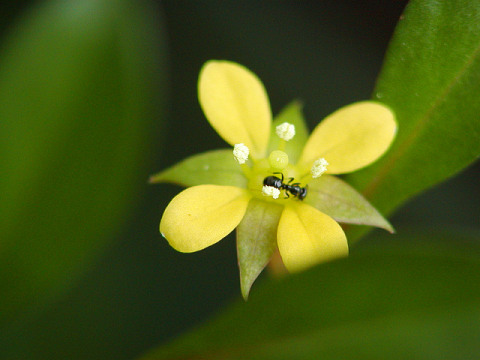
<point x="270" y="191"/>
<point x="285" y="131"/>
<point x="240" y="153"/>
<point x="319" y="167"/>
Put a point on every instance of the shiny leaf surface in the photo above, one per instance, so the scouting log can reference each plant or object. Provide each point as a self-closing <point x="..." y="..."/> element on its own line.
<point x="430" y="80"/>
<point x="394" y="300"/>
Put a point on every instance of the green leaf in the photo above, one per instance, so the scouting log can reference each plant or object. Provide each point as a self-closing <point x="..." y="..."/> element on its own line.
<point x="391" y="300"/>
<point x="77" y="82"/>
<point x="292" y="114"/>
<point x="430" y="78"/>
<point x="216" y="167"/>
<point x="256" y="240"/>
<point x="342" y="202"/>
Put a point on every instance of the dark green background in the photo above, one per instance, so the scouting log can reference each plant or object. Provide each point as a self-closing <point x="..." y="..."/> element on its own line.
<point x="139" y="292"/>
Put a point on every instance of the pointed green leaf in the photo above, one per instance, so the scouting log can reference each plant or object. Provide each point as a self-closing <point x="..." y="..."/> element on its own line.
<point x="256" y="240"/>
<point x="430" y="79"/>
<point x="78" y="79"/>
<point x="342" y="202"/>
<point x="393" y="300"/>
<point x="216" y="167"/>
<point x="292" y="114"/>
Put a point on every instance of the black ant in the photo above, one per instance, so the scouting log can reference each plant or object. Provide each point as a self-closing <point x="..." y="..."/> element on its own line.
<point x="290" y="189"/>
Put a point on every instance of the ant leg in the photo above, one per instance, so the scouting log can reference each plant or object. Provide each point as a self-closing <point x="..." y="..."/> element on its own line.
<point x="290" y="180"/>
<point x="280" y="174"/>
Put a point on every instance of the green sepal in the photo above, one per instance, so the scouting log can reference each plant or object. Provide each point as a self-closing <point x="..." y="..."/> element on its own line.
<point x="216" y="167"/>
<point x="256" y="240"/>
<point x="292" y="114"/>
<point x="342" y="202"/>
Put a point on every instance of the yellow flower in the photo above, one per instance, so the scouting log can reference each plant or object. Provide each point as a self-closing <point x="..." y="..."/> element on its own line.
<point x="236" y="105"/>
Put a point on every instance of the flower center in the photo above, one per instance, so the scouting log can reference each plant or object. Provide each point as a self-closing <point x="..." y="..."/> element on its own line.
<point x="274" y="183"/>
<point x="274" y="179"/>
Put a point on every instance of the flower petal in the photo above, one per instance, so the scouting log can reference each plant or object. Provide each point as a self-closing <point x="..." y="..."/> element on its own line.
<point x="307" y="237"/>
<point x="236" y="105"/>
<point x="202" y="215"/>
<point x="351" y="138"/>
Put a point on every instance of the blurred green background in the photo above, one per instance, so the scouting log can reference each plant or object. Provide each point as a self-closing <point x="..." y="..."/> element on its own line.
<point x="97" y="95"/>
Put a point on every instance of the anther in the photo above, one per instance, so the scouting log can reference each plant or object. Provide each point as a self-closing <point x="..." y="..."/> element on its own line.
<point x="319" y="167"/>
<point x="270" y="191"/>
<point x="240" y="152"/>
<point x="285" y="131"/>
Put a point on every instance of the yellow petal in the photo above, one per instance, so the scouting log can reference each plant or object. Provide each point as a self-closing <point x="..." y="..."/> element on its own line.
<point x="202" y="215"/>
<point x="236" y="105"/>
<point x="351" y="138"/>
<point x="307" y="237"/>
